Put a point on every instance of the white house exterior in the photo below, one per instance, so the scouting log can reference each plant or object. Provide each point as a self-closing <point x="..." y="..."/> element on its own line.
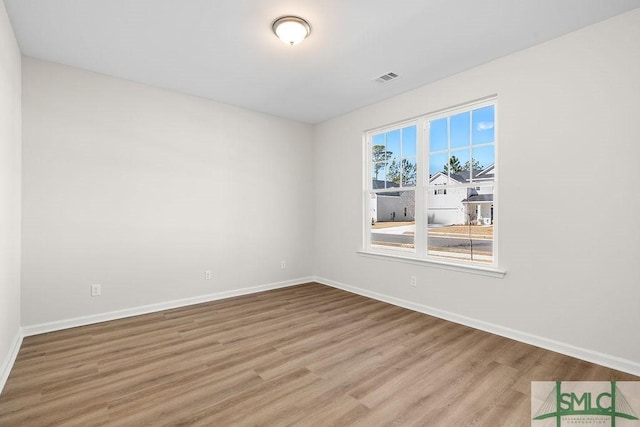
<point x="464" y="200"/>
<point x="392" y="206"/>
<point x="459" y="202"/>
<point x="400" y="206"/>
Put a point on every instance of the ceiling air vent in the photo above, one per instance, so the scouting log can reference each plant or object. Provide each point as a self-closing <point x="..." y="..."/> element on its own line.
<point x="386" y="78"/>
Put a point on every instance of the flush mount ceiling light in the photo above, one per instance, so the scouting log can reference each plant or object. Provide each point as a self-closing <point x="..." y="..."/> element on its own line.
<point x="291" y="29"/>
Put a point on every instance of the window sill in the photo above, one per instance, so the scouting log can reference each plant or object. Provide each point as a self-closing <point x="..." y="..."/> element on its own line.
<point x="473" y="269"/>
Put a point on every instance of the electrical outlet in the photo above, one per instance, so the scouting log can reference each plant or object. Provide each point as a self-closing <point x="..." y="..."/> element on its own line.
<point x="96" y="290"/>
<point x="283" y="264"/>
<point x="413" y="281"/>
<point x="208" y="275"/>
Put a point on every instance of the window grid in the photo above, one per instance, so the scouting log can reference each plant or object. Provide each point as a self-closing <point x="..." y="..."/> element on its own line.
<point x="476" y="193"/>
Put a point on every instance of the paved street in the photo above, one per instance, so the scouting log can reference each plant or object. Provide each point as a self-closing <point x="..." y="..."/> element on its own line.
<point x="435" y="242"/>
<point x="443" y="243"/>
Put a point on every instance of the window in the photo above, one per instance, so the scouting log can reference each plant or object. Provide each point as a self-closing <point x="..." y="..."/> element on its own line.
<point x="431" y="192"/>
<point x="392" y="204"/>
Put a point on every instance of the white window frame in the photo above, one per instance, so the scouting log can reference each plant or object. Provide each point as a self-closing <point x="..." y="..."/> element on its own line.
<point x="369" y="191"/>
<point x="422" y="188"/>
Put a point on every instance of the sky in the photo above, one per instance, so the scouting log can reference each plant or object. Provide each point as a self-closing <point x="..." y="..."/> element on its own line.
<point x="461" y="135"/>
<point x="457" y="135"/>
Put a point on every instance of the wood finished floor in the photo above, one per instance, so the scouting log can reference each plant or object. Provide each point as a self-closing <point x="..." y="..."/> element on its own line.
<point x="305" y="355"/>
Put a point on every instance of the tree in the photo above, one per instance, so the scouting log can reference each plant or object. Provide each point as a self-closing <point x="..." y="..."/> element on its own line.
<point x="477" y="167"/>
<point x="405" y="171"/>
<point x="379" y="156"/>
<point x="453" y="166"/>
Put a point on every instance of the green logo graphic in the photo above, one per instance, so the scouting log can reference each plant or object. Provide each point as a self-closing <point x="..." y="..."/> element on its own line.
<point x="611" y="404"/>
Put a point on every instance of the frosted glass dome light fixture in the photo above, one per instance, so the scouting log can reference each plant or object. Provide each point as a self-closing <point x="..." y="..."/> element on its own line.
<point x="291" y="29"/>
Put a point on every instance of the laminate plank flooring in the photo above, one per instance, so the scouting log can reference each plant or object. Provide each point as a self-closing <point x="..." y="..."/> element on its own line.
<point x="306" y="355"/>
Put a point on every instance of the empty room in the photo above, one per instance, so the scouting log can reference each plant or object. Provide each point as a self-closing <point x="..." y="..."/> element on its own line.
<point x="319" y="213"/>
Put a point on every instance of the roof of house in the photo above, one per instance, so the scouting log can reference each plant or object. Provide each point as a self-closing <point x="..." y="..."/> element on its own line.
<point x="378" y="184"/>
<point x="465" y="175"/>
<point x="479" y="198"/>
<point x="487" y="171"/>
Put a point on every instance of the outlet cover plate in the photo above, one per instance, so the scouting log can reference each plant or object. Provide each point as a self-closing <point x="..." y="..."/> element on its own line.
<point x="96" y="290"/>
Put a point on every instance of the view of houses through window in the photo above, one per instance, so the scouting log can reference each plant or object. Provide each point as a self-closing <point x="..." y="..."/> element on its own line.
<point x="432" y="186"/>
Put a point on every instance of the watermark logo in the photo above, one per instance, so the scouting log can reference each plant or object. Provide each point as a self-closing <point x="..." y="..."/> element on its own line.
<point x="585" y="403"/>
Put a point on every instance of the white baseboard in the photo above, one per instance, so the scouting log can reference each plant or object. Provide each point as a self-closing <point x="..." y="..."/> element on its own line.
<point x="607" y="360"/>
<point x="152" y="308"/>
<point x="7" y="363"/>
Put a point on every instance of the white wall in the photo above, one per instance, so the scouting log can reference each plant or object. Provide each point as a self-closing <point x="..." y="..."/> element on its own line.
<point x="141" y="190"/>
<point x="569" y="142"/>
<point x="10" y="128"/>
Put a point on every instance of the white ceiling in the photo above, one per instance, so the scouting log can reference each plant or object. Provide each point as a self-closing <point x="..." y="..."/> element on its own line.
<point x="225" y="50"/>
